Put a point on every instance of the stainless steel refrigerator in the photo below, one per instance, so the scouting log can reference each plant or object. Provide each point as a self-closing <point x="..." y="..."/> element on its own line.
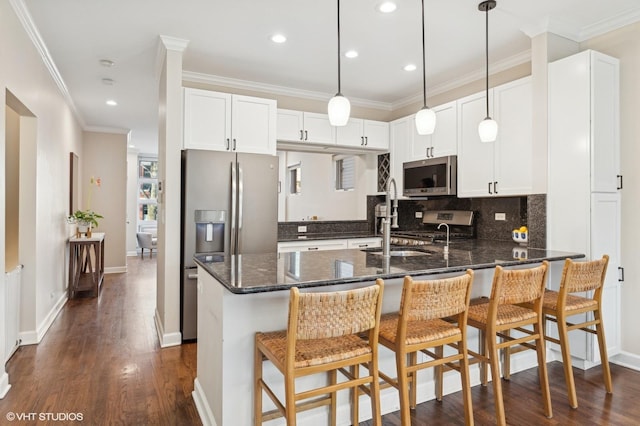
<point x="229" y="207"/>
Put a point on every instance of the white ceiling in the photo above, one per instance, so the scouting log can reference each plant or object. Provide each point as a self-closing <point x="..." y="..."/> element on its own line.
<point x="229" y="42"/>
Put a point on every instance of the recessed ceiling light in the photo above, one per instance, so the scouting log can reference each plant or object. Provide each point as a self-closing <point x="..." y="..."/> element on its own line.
<point x="351" y="54"/>
<point x="409" y="67"/>
<point x="387" y="7"/>
<point x="107" y="81"/>
<point x="278" y="38"/>
<point x="107" y="63"/>
<point x="111" y="102"/>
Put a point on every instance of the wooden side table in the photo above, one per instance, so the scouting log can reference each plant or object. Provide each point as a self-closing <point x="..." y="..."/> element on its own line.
<point x="86" y="264"/>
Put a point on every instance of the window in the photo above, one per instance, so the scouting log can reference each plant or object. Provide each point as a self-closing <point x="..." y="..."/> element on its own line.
<point x="295" y="183"/>
<point x="345" y="172"/>
<point x="147" y="192"/>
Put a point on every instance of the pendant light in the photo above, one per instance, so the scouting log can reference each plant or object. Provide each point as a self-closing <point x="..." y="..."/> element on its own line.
<point x="425" y="118"/>
<point x="488" y="128"/>
<point x="339" y="107"/>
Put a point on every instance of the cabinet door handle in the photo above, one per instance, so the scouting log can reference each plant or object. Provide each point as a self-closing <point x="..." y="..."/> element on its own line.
<point x="427" y="152"/>
<point x="363" y="245"/>
<point x="432" y="154"/>
<point x="228" y="144"/>
<point x="301" y="134"/>
<point x="495" y="187"/>
<point x="234" y="144"/>
<point x="620" y="274"/>
<point x="620" y="181"/>
<point x="366" y="140"/>
<point x="306" y="135"/>
<point x="490" y="188"/>
<point x="312" y="248"/>
<point x="361" y="140"/>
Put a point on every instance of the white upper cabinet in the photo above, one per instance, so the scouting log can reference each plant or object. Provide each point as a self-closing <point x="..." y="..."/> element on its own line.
<point x="207" y="120"/>
<point x="305" y="127"/>
<point x="366" y="134"/>
<point x="503" y="167"/>
<point x="444" y="139"/>
<point x="400" y="131"/>
<point x="223" y="122"/>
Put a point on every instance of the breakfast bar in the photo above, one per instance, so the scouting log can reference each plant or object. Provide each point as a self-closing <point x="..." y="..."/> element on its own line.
<point x="240" y="295"/>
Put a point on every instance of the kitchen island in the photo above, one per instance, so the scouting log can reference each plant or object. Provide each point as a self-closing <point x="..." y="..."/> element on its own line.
<point x="240" y="295"/>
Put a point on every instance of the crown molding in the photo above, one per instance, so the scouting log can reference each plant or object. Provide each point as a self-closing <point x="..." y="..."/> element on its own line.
<point x="580" y="34"/>
<point x="166" y="43"/>
<point x="273" y="89"/>
<point x="499" y="66"/>
<point x="30" y="28"/>
<point x="112" y="130"/>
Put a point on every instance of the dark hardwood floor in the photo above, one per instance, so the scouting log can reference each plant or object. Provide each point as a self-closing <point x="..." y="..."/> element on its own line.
<point x="101" y="358"/>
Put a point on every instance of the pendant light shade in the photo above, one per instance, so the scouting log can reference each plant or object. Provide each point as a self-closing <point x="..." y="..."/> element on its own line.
<point x="339" y="107"/>
<point x="488" y="128"/>
<point x="339" y="110"/>
<point x="425" y="118"/>
<point x="425" y="121"/>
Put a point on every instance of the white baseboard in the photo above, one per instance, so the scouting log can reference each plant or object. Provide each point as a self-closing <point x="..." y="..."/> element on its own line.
<point x="166" y="339"/>
<point x="33" y="337"/>
<point x="204" y="411"/>
<point x="626" y="359"/>
<point x="115" y="269"/>
<point x="4" y="384"/>
<point x="133" y="253"/>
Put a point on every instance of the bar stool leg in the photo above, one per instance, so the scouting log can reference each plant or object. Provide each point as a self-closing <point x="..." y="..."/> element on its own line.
<point x="506" y="358"/>
<point x="257" y="388"/>
<point x="542" y="369"/>
<point x="439" y="373"/>
<point x="482" y="349"/>
<point x="333" y="378"/>
<point x="466" y="382"/>
<point x="355" y="397"/>
<point x="604" y="358"/>
<point x="290" y="398"/>
<point x="413" y="395"/>
<point x="563" y="336"/>
<point x="495" y="379"/>
<point x="403" y="385"/>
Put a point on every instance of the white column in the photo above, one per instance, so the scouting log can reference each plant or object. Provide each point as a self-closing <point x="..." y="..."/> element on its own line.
<point x="169" y="145"/>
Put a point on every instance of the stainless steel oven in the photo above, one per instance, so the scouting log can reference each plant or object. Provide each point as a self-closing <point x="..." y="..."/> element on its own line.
<point x="430" y="177"/>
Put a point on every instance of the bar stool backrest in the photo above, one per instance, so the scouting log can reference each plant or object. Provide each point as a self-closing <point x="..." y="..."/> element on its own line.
<point x="435" y="298"/>
<point x="513" y="286"/>
<point x="583" y="276"/>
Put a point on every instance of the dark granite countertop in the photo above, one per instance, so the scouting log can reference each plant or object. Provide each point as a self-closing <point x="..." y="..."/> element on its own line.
<point x="254" y="273"/>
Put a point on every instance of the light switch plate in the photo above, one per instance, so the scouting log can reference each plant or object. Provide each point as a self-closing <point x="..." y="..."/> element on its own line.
<point x="418" y="215"/>
<point x="501" y="216"/>
<point x="302" y="228"/>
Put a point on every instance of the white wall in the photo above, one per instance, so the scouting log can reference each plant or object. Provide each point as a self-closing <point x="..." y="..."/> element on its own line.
<point x="132" y="202"/>
<point x="318" y="196"/>
<point x="46" y="138"/>
<point x="105" y="157"/>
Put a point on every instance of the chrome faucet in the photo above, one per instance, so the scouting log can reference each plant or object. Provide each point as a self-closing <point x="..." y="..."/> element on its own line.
<point x="390" y="221"/>
<point x="446" y="248"/>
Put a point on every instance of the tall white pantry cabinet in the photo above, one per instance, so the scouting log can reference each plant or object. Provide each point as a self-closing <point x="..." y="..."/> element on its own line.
<point x="584" y="193"/>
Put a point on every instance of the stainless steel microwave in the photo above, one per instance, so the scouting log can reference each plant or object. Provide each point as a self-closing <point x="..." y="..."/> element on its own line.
<point x="430" y="177"/>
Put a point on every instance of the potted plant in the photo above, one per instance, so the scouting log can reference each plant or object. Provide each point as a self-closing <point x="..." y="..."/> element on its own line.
<point x="86" y="219"/>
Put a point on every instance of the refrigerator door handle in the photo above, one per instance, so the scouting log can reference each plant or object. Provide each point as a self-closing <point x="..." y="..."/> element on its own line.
<point x="233" y="233"/>
<point x="240" y="203"/>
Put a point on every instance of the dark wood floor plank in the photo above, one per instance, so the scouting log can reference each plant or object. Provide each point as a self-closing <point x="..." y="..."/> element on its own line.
<point x="101" y="358"/>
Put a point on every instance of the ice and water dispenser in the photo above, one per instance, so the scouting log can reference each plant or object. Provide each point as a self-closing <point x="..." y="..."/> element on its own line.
<point x="210" y="231"/>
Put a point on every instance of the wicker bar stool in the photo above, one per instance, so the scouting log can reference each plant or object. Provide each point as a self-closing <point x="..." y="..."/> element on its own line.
<point x="500" y="314"/>
<point x="420" y="326"/>
<point x="323" y="336"/>
<point x="558" y="306"/>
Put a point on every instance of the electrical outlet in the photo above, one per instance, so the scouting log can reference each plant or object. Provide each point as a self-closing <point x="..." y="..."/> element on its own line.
<point x="302" y="228"/>
<point x="501" y="216"/>
<point x="418" y="215"/>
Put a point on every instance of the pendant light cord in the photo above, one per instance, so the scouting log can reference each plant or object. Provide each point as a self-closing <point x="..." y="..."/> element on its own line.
<point x="339" y="88"/>
<point x="486" y="50"/>
<point x="424" y="63"/>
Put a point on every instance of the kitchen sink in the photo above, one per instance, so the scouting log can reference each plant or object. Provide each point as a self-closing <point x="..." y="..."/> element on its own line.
<point x="400" y="253"/>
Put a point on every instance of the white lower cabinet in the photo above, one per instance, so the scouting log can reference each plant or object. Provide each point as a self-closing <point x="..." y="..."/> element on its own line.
<point x="335" y="244"/>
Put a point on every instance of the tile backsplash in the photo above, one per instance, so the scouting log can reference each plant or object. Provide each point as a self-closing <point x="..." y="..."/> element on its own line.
<point x="518" y="211"/>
